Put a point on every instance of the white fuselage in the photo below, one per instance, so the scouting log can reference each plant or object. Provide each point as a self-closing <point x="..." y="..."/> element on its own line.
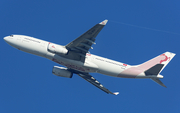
<point x="93" y="63"/>
<point x="76" y="58"/>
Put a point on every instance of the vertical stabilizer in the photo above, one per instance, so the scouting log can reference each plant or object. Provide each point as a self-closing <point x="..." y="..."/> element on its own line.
<point x="162" y="59"/>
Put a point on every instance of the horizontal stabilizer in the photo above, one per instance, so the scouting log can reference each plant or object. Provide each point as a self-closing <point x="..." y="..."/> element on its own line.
<point x="158" y="82"/>
<point x="154" y="70"/>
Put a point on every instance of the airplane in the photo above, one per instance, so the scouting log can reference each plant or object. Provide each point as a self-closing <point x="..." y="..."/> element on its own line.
<point x="77" y="59"/>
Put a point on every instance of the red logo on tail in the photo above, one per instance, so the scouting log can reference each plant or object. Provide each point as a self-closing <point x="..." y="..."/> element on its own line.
<point x="166" y="58"/>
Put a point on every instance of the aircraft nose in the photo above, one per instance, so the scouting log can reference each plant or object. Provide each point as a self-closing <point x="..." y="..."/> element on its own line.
<point x="9" y="39"/>
<point x="6" y="38"/>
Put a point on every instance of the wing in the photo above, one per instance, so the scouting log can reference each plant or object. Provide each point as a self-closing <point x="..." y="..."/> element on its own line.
<point x="83" y="43"/>
<point x="94" y="82"/>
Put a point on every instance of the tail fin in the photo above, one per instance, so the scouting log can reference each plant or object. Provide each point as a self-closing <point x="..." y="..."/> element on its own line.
<point x="164" y="59"/>
<point x="154" y="66"/>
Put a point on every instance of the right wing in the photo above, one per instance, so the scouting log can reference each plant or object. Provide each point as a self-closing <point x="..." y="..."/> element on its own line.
<point x="94" y="82"/>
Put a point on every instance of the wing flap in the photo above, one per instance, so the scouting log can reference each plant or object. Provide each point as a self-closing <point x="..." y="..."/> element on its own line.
<point x="94" y="82"/>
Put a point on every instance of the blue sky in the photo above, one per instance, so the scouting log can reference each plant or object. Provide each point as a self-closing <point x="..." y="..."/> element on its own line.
<point x="28" y="86"/>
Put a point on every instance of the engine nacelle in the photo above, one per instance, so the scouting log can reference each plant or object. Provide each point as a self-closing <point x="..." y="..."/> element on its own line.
<point x="54" y="48"/>
<point x="62" y="72"/>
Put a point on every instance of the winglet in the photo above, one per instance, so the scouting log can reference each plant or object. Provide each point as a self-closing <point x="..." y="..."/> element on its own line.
<point x="104" y="22"/>
<point x="116" y="93"/>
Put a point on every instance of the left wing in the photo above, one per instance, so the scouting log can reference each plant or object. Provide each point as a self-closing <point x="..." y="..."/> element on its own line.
<point x="83" y="43"/>
<point x="94" y="82"/>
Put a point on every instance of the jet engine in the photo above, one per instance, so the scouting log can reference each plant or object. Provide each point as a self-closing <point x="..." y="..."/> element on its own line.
<point x="62" y="72"/>
<point x="54" y="48"/>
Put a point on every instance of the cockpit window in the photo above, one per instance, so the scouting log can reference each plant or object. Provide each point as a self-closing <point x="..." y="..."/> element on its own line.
<point x="11" y="35"/>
